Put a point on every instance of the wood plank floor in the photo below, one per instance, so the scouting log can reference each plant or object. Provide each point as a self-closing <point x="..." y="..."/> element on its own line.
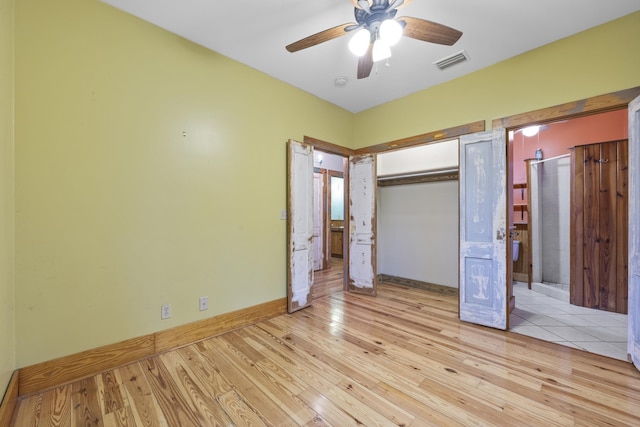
<point x="399" y="359"/>
<point x="330" y="280"/>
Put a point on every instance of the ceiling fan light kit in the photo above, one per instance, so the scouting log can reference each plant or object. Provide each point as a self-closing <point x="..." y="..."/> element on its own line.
<point x="390" y="31"/>
<point x="359" y="43"/>
<point x="378" y="30"/>
<point x="381" y="51"/>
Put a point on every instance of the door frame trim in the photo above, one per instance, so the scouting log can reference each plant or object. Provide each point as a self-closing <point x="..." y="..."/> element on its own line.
<point x="584" y="107"/>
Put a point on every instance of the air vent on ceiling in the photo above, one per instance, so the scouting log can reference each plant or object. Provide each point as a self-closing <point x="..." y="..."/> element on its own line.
<point x="452" y="60"/>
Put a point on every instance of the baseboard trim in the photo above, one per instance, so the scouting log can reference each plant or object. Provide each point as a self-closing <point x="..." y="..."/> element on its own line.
<point x="66" y="369"/>
<point x="431" y="287"/>
<point x="196" y="331"/>
<point x="42" y="376"/>
<point x="10" y="400"/>
<point x="521" y="277"/>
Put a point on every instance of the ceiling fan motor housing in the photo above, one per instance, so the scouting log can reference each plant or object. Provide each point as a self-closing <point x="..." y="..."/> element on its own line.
<point x="377" y="13"/>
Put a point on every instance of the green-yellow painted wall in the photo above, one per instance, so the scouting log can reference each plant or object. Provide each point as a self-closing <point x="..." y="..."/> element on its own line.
<point x="7" y="314"/>
<point x="598" y="61"/>
<point x="148" y="170"/>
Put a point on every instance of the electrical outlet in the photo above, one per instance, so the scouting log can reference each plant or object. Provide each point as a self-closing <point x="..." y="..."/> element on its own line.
<point x="204" y="303"/>
<point x="283" y="215"/>
<point x="165" y="311"/>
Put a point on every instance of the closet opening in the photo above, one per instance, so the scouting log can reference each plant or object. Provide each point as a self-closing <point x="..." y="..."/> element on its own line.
<point x="417" y="204"/>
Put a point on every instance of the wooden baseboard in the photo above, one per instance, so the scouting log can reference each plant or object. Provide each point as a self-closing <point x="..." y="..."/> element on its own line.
<point x="521" y="277"/>
<point x="431" y="287"/>
<point x="63" y="370"/>
<point x="196" y="331"/>
<point x="53" y="373"/>
<point x="9" y="400"/>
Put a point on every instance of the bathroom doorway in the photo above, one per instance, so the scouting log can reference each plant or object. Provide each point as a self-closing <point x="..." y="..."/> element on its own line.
<point x="543" y="216"/>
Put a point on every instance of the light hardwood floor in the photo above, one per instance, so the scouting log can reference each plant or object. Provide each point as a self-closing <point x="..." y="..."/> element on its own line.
<point x="402" y="358"/>
<point x="330" y="280"/>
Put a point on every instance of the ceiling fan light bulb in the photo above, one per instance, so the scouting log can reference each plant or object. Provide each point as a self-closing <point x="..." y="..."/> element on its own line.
<point x="390" y="31"/>
<point x="359" y="43"/>
<point x="381" y="51"/>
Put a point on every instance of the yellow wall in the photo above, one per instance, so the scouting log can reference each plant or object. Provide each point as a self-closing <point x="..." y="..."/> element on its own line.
<point x="117" y="211"/>
<point x="150" y="170"/>
<point x="598" y="61"/>
<point x="7" y="341"/>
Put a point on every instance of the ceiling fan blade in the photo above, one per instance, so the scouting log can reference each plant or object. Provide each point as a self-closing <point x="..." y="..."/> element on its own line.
<point x="365" y="63"/>
<point x="320" y="37"/>
<point x="428" y="31"/>
<point x="357" y="5"/>
<point x="397" y="4"/>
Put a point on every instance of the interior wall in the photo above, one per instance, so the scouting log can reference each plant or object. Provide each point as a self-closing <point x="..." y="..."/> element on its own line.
<point x="591" y="63"/>
<point x="149" y="170"/>
<point x="139" y="184"/>
<point x="7" y="313"/>
<point x="555" y="139"/>
<point x="418" y="232"/>
<point x="554" y="211"/>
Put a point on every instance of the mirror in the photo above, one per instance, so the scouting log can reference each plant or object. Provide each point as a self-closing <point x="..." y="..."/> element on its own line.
<point x="337" y="198"/>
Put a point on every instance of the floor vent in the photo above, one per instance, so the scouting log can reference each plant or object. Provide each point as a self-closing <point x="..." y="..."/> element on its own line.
<point x="452" y="60"/>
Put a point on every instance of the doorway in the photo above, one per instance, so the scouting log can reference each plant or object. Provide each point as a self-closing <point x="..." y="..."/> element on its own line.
<point x="418" y="215"/>
<point x="542" y="218"/>
<point x="329" y="223"/>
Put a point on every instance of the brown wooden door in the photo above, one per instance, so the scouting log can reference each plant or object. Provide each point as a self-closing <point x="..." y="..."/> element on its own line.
<point x="599" y="202"/>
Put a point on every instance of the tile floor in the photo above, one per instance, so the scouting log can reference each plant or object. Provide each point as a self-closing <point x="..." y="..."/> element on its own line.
<point x="552" y="319"/>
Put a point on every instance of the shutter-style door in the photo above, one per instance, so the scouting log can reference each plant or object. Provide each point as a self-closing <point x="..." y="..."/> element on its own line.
<point x="362" y="224"/>
<point x="299" y="225"/>
<point x="483" y="229"/>
<point x="318" y="221"/>
<point x="633" y="342"/>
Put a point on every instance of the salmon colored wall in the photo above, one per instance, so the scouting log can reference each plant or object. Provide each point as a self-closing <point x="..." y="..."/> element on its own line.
<point x="555" y="139"/>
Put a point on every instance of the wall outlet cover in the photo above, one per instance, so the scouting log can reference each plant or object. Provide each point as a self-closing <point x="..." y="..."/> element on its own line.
<point x="204" y="303"/>
<point x="165" y="311"/>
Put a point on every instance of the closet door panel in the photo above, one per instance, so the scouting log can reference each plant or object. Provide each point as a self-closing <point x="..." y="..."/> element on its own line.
<point x="607" y="227"/>
<point x="622" y="231"/>
<point x="591" y="249"/>
<point x="576" y="289"/>
<point x="599" y="200"/>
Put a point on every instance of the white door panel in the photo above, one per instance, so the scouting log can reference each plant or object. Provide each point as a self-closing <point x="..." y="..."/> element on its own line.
<point x="318" y="221"/>
<point x="633" y="342"/>
<point x="299" y="225"/>
<point x="362" y="224"/>
<point x="483" y="225"/>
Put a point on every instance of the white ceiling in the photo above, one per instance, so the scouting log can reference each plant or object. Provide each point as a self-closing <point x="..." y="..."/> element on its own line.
<point x="255" y="33"/>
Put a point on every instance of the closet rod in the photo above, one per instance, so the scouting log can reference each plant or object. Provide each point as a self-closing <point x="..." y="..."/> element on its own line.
<point x="419" y="174"/>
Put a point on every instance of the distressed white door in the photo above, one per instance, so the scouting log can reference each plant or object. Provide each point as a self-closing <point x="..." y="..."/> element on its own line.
<point x="483" y="229"/>
<point x="633" y="341"/>
<point x="318" y="221"/>
<point x="299" y="225"/>
<point x="362" y="224"/>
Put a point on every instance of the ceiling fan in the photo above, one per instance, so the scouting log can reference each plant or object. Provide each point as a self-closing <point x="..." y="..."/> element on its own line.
<point x="377" y="30"/>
